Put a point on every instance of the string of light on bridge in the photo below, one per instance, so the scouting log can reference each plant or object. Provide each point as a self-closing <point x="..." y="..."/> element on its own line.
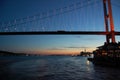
<point x="42" y="22"/>
<point x="81" y="16"/>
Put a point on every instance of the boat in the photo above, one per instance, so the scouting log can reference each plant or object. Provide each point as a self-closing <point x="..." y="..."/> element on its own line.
<point x="107" y="55"/>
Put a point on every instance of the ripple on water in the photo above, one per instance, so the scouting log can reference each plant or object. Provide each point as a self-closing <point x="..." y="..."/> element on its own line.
<point x="57" y="68"/>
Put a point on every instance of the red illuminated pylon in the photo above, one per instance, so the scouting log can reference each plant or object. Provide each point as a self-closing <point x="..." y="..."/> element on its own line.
<point x="109" y="20"/>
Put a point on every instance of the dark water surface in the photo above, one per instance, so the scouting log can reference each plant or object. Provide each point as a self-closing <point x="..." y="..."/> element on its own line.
<point x="54" y="68"/>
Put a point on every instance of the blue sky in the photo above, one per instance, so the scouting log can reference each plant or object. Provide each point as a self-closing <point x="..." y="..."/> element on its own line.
<point x="88" y="18"/>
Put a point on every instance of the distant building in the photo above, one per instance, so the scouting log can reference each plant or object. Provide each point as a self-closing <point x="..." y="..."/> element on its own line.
<point x="85" y="53"/>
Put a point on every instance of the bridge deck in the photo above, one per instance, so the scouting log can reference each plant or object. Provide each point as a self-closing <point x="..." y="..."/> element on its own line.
<point x="59" y="33"/>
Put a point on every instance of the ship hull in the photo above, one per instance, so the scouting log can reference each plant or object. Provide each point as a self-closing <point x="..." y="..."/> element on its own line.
<point x="110" y="62"/>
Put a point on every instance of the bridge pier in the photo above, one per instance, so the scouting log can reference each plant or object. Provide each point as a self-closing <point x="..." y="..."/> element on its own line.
<point x="109" y="18"/>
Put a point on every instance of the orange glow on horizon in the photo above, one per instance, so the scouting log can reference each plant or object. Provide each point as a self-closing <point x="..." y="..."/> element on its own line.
<point x="59" y="52"/>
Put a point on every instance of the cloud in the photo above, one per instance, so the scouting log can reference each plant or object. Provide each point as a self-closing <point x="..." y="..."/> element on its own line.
<point x="69" y="47"/>
<point x="86" y="38"/>
<point x="77" y="47"/>
<point x="56" y="49"/>
<point x="78" y="36"/>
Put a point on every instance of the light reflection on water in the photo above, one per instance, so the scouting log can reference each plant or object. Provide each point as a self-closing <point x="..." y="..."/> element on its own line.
<point x="88" y="62"/>
<point x="55" y="68"/>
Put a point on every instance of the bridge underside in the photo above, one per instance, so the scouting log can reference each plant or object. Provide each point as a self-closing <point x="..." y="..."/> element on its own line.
<point x="60" y="33"/>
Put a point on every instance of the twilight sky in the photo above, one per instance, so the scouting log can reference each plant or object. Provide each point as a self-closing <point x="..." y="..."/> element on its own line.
<point x="88" y="18"/>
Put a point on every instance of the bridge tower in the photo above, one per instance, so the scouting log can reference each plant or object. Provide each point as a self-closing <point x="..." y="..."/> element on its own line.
<point x="108" y="18"/>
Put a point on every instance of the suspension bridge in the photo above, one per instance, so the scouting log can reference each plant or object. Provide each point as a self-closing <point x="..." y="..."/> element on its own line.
<point x="82" y="18"/>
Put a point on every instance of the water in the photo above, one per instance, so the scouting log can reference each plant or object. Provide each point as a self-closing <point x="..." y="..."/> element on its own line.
<point x="54" y="68"/>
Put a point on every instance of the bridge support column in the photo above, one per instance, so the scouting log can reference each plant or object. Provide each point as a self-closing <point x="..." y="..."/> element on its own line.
<point x="111" y="21"/>
<point x="108" y="18"/>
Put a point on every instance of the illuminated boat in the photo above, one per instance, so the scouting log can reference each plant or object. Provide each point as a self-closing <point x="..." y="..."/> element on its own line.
<point x="107" y="55"/>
